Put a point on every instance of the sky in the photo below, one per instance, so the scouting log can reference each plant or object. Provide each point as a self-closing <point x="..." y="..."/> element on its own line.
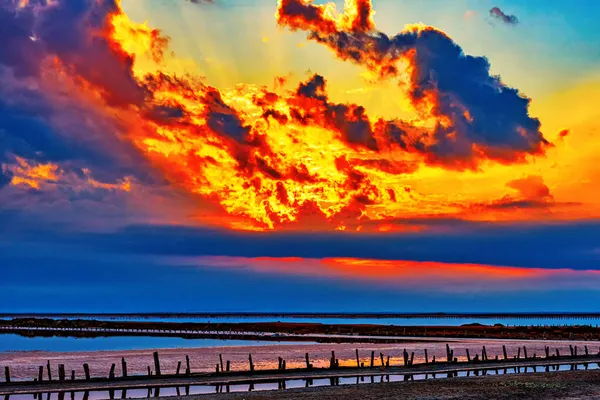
<point x="288" y="155"/>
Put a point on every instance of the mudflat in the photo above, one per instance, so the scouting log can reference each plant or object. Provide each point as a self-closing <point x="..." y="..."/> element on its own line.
<point x="570" y="385"/>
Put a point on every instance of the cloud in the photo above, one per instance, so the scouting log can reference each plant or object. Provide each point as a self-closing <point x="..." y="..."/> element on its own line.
<point x="443" y="277"/>
<point x="531" y="188"/>
<point x="498" y="14"/>
<point x="259" y="159"/>
<point x="469" y="14"/>
<point x="5" y="176"/>
<point x="477" y="115"/>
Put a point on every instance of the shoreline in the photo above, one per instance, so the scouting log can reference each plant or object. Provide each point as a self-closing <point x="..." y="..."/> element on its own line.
<point x="293" y="331"/>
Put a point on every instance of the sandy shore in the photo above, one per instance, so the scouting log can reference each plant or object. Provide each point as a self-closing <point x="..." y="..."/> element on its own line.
<point x="555" y="385"/>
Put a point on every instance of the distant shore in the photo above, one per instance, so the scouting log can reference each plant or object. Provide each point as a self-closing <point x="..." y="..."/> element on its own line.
<point x="291" y="331"/>
<point x="571" y="385"/>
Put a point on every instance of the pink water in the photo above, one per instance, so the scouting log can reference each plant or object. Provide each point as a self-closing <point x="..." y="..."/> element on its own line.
<point x="25" y="364"/>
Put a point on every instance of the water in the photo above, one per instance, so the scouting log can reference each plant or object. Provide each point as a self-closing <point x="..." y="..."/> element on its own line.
<point x="11" y="343"/>
<point x="279" y="385"/>
<point x="204" y="354"/>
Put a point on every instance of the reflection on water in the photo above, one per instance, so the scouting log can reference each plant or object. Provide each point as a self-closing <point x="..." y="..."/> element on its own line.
<point x="285" y="384"/>
<point x="204" y="355"/>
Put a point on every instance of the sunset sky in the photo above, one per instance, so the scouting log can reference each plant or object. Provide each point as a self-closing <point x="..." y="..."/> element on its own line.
<point x="384" y="155"/>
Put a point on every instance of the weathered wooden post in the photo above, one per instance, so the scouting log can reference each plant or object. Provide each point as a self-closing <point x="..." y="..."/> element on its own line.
<point x="49" y="371"/>
<point x="504" y="352"/>
<point x="332" y="360"/>
<point x="426" y="357"/>
<point x="251" y="363"/>
<point x="217" y="368"/>
<point x="571" y="349"/>
<point x="111" y="374"/>
<point x="382" y="362"/>
<point x="178" y="368"/>
<point x="61" y="372"/>
<point x="149" y="373"/>
<point x="72" y="375"/>
<point x="156" y="364"/>
<point x="547" y="351"/>
<point x="221" y="361"/>
<point x="557" y="353"/>
<point x="228" y="366"/>
<point x="86" y="371"/>
<point x="372" y="358"/>
<point x="7" y="374"/>
<point x="279" y="360"/>
<point x="357" y="360"/>
<point x="283" y="364"/>
<point x="41" y="373"/>
<point x="484" y="354"/>
<point x="187" y="365"/>
<point x="405" y="357"/>
<point x="518" y="353"/>
<point x="387" y="364"/>
<point x="586" y="351"/>
<point x="124" y="367"/>
<point x="468" y="356"/>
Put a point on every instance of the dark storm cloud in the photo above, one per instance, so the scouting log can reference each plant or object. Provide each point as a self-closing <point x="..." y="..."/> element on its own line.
<point x="500" y="15"/>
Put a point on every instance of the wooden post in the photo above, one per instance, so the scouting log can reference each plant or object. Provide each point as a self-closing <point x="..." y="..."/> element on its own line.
<point x="405" y="357"/>
<point x="251" y="363"/>
<point x="187" y="365"/>
<point x="41" y="373"/>
<point x="111" y="374"/>
<point x="504" y="352"/>
<point x="357" y="360"/>
<point x="221" y="361"/>
<point x="484" y="354"/>
<point x="518" y="353"/>
<point x="61" y="372"/>
<point x="372" y="358"/>
<point x="426" y="357"/>
<point x="571" y="350"/>
<point x="279" y="359"/>
<point x="586" y="351"/>
<point x="86" y="371"/>
<point x="72" y="374"/>
<point x="217" y="368"/>
<point x="283" y="364"/>
<point x="387" y="364"/>
<point x="156" y="364"/>
<point x="49" y="371"/>
<point x="468" y="356"/>
<point x="557" y="353"/>
<point x="332" y="360"/>
<point x="178" y="367"/>
<point x="7" y="374"/>
<point x="307" y="359"/>
<point x="228" y="365"/>
<point x="382" y="362"/>
<point x="124" y="367"/>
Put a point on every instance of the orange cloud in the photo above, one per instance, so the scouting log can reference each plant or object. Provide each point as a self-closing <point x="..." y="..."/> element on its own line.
<point x="413" y="275"/>
<point x="293" y="158"/>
